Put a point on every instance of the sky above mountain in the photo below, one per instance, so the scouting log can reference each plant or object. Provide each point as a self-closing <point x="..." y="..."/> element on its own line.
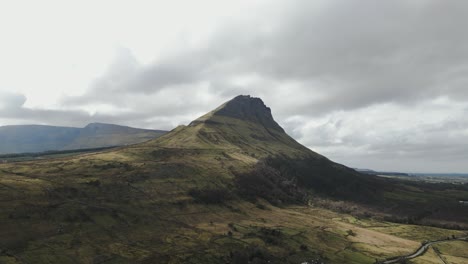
<point x="373" y="84"/>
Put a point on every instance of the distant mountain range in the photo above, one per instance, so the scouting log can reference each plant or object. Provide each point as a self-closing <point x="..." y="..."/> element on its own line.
<point x="38" y="138"/>
<point x="373" y="172"/>
<point x="417" y="174"/>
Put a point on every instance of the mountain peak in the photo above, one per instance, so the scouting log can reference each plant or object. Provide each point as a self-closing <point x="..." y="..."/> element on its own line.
<point x="245" y="107"/>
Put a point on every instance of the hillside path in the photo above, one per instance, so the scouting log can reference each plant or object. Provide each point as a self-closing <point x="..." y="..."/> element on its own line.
<point x="421" y="250"/>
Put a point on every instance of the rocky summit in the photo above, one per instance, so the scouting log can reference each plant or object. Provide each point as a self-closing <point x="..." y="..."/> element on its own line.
<point x="249" y="108"/>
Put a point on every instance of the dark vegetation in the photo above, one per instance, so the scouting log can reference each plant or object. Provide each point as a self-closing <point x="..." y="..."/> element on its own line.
<point x="330" y="179"/>
<point x="282" y="180"/>
<point x="210" y="195"/>
<point x="272" y="238"/>
<point x="269" y="235"/>
<point x="47" y="154"/>
<point x="267" y="183"/>
<point x="251" y="254"/>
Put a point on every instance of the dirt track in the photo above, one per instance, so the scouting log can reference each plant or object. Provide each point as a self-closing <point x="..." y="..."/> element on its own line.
<point x="421" y="250"/>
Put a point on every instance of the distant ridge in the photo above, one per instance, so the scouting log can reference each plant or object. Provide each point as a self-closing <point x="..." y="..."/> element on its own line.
<point x="39" y="138"/>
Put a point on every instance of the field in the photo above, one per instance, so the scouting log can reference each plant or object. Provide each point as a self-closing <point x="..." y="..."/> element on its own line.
<point x="6" y="158"/>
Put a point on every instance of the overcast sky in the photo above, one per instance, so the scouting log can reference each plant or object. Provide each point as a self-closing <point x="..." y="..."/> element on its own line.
<point x="371" y="84"/>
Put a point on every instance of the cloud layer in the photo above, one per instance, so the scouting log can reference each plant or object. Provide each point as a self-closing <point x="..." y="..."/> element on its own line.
<point x="372" y="84"/>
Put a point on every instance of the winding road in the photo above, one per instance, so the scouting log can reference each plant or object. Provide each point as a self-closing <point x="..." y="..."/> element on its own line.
<point x="420" y="251"/>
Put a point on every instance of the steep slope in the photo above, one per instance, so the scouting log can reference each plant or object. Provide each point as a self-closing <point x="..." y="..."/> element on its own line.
<point x="231" y="187"/>
<point x="244" y="127"/>
<point x="38" y="138"/>
<point x="243" y="124"/>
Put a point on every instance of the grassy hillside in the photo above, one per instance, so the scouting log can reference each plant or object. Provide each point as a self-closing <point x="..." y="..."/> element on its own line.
<point x="120" y="208"/>
<point x="37" y="138"/>
<point x="5" y="158"/>
<point x="228" y="188"/>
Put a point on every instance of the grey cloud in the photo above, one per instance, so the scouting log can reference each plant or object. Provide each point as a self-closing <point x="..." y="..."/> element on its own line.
<point x="11" y="101"/>
<point x="393" y="144"/>
<point x="311" y="60"/>
<point x="360" y="52"/>
<point x="372" y="52"/>
<point x="12" y="108"/>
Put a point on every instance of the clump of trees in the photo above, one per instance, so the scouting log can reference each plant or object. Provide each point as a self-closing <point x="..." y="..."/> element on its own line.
<point x="267" y="183"/>
<point x="329" y="179"/>
<point x="270" y="236"/>
<point x="210" y="195"/>
<point x="250" y="254"/>
<point x="282" y="180"/>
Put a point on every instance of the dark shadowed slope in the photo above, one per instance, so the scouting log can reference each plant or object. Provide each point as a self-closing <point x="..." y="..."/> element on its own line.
<point x="38" y="138"/>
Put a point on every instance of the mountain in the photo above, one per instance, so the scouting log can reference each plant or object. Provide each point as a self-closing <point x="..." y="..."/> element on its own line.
<point x="243" y="125"/>
<point x="38" y="138"/>
<point x="35" y="138"/>
<point x="243" y="129"/>
<point x="230" y="187"/>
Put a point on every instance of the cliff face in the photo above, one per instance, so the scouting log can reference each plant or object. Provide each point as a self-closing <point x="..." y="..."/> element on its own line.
<point x="250" y="109"/>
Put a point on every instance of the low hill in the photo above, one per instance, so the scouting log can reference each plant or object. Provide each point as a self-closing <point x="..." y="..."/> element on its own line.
<point x="39" y="138"/>
<point x="231" y="187"/>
